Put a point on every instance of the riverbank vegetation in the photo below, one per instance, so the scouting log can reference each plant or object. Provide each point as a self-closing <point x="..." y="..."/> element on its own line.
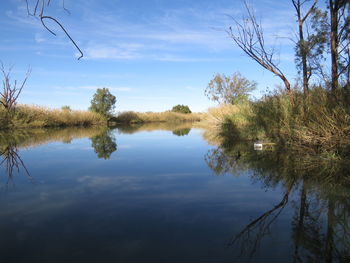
<point x="130" y="117"/>
<point x="25" y="116"/>
<point x="320" y="124"/>
<point x="14" y="116"/>
<point x="312" y="114"/>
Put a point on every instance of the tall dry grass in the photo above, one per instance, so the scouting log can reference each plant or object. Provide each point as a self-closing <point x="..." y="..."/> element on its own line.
<point x="148" y="117"/>
<point x="216" y="116"/>
<point x="35" y="116"/>
<point x="231" y="122"/>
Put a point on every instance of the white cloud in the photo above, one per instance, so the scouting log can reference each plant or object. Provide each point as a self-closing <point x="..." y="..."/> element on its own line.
<point x="110" y="52"/>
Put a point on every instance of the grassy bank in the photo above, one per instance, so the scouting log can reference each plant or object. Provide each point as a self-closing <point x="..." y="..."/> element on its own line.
<point x="318" y="123"/>
<point x="131" y="117"/>
<point x="24" y="116"/>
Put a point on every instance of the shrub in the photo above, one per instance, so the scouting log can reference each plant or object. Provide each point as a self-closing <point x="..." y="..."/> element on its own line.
<point x="66" y="108"/>
<point x="181" y="109"/>
<point x="128" y="117"/>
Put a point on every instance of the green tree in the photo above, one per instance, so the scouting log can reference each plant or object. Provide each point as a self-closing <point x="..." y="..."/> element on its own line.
<point x="339" y="12"/>
<point x="181" y="109"/>
<point x="229" y="89"/>
<point x="66" y="108"/>
<point x="103" y="102"/>
<point x="305" y="45"/>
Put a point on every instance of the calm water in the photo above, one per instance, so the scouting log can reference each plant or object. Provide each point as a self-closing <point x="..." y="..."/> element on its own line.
<point x="166" y="194"/>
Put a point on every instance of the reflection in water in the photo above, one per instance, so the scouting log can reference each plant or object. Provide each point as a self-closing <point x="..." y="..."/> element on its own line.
<point x="11" y="161"/>
<point x="12" y="141"/>
<point x="179" y="129"/>
<point x="162" y="205"/>
<point x="104" y="144"/>
<point x="182" y="132"/>
<point x="321" y="200"/>
<point x="35" y="137"/>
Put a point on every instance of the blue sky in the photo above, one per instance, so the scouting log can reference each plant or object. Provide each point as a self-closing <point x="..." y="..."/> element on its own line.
<point x="151" y="54"/>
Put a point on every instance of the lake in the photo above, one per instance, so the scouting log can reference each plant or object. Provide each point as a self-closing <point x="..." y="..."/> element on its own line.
<point x="167" y="193"/>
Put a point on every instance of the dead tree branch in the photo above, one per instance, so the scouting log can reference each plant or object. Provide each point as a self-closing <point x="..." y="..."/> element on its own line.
<point x="38" y="10"/>
<point x="250" y="38"/>
<point x="10" y="91"/>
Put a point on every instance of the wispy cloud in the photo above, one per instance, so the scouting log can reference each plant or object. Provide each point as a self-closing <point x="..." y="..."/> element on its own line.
<point x="39" y="38"/>
<point x="77" y="88"/>
<point x="111" y="52"/>
<point x="173" y="34"/>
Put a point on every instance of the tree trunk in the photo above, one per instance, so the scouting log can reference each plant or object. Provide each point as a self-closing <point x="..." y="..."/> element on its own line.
<point x="303" y="58"/>
<point x="334" y="8"/>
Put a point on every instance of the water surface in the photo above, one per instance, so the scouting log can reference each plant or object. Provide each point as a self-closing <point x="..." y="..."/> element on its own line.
<point x="166" y="193"/>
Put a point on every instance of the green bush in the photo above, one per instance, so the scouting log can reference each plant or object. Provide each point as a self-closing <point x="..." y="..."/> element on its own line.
<point x="128" y="117"/>
<point x="181" y="109"/>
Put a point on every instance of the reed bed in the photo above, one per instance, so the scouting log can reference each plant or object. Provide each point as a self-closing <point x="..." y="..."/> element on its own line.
<point x="148" y="117"/>
<point x="25" y="116"/>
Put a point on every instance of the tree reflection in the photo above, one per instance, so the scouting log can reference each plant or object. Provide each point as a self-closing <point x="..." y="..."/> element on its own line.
<point x="250" y="237"/>
<point x="182" y="132"/>
<point x="11" y="161"/>
<point x="11" y="141"/>
<point x="104" y="144"/>
<point x="320" y="188"/>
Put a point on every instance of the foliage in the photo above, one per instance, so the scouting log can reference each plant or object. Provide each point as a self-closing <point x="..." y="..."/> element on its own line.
<point x="181" y="109"/>
<point x="233" y="89"/>
<point x="66" y="108"/>
<point x="316" y="125"/>
<point x="103" y="102"/>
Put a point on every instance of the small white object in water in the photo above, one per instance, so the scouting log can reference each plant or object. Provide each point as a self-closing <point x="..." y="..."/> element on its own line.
<point x="258" y="146"/>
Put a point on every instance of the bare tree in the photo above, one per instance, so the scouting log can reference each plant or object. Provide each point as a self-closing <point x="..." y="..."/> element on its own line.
<point x="250" y="38"/>
<point x="38" y="10"/>
<point x="10" y="91"/>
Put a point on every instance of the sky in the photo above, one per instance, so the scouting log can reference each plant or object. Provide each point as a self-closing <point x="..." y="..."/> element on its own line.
<point x="150" y="54"/>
